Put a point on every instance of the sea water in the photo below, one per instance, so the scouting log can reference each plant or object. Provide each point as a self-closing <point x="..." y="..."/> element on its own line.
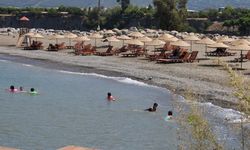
<point x="71" y="109"/>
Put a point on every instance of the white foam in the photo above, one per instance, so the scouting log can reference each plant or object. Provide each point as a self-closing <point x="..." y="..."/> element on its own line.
<point x="27" y="65"/>
<point x="229" y="115"/>
<point x="119" y="79"/>
<point x="3" y="60"/>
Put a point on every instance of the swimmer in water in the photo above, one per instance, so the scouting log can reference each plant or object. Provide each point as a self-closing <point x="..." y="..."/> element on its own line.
<point x="152" y="109"/>
<point x="33" y="92"/>
<point x="110" y="97"/>
<point x="12" y="89"/>
<point x="169" y="116"/>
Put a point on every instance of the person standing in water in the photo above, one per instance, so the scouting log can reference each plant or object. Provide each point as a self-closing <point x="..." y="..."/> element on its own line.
<point x="152" y="109"/>
<point x="110" y="97"/>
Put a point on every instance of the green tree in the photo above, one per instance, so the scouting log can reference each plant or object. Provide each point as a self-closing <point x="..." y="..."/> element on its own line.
<point x="124" y="3"/>
<point x="171" y="13"/>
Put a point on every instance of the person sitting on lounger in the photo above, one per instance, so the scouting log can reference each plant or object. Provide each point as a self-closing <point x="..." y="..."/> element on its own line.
<point x="176" y="53"/>
<point x="152" y="109"/>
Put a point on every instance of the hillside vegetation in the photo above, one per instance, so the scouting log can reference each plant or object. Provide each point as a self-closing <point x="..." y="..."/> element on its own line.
<point x="192" y="4"/>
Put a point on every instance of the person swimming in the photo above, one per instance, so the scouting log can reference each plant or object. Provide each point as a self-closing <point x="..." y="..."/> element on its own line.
<point x="110" y="97"/>
<point x="12" y="89"/>
<point x="169" y="116"/>
<point x="152" y="109"/>
<point x="33" y="91"/>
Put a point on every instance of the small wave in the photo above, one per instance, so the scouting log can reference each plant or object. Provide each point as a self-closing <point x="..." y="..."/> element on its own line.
<point x="119" y="79"/>
<point x="27" y="65"/>
<point x="229" y="115"/>
<point x="2" y="60"/>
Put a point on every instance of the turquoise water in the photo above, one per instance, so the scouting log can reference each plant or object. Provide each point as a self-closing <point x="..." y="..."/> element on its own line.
<point x="72" y="109"/>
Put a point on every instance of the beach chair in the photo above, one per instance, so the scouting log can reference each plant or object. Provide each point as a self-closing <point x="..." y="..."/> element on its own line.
<point x="192" y="57"/>
<point x="109" y="52"/>
<point x="183" y="58"/>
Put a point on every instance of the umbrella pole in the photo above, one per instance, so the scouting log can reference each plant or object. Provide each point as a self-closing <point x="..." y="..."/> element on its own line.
<point x="122" y="42"/>
<point x="191" y="46"/>
<point x="205" y="50"/>
<point x="241" y="59"/>
<point x="95" y="42"/>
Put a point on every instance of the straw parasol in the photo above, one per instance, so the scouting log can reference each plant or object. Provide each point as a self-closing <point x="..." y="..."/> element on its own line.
<point x="165" y="37"/>
<point x="218" y="45"/>
<point x="155" y="42"/>
<point x="145" y="39"/>
<point x="95" y="36"/>
<point x="29" y="34"/>
<point x="111" y="39"/>
<point x="7" y="148"/>
<point x="206" y="41"/>
<point x="37" y="36"/>
<point x="123" y="38"/>
<point x="180" y="43"/>
<point x="70" y="36"/>
<point x="56" y="37"/>
<point x="172" y="39"/>
<point x="109" y="32"/>
<point x="136" y="34"/>
<point x="72" y="147"/>
<point x="241" y="48"/>
<point x="240" y="41"/>
<point x="81" y="39"/>
<point x="224" y="39"/>
<point x="134" y="42"/>
<point x="191" y="38"/>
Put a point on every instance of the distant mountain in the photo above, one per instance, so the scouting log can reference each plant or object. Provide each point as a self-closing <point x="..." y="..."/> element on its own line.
<point x="192" y="4"/>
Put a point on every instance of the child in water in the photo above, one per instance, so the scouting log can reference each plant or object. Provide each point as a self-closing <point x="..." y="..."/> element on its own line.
<point x="152" y="109"/>
<point x="110" y="97"/>
<point x="33" y="92"/>
<point x="169" y="116"/>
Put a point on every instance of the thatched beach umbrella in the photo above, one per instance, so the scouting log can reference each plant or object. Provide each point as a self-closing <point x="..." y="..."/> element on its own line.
<point x="166" y="37"/>
<point x="155" y="42"/>
<point x="240" y="41"/>
<point x="109" y="32"/>
<point x="206" y="41"/>
<point x="111" y="39"/>
<point x="37" y="36"/>
<point x="123" y="38"/>
<point x="70" y="36"/>
<point x="191" y="38"/>
<point x="95" y="36"/>
<point x="72" y="147"/>
<point x="136" y="34"/>
<point x="145" y="39"/>
<point x="218" y="45"/>
<point x="241" y="48"/>
<point x="134" y="42"/>
<point x="81" y="39"/>
<point x="56" y="37"/>
<point x="224" y="39"/>
<point x="180" y="43"/>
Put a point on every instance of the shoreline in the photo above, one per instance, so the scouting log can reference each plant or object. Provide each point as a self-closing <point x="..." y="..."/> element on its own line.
<point x="66" y="66"/>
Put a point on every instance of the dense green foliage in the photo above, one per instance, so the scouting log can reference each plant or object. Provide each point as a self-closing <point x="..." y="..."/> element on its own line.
<point x="165" y="14"/>
<point x="236" y="20"/>
<point x="123" y="16"/>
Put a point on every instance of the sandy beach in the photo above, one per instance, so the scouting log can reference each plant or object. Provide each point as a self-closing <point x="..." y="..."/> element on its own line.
<point x="204" y="78"/>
